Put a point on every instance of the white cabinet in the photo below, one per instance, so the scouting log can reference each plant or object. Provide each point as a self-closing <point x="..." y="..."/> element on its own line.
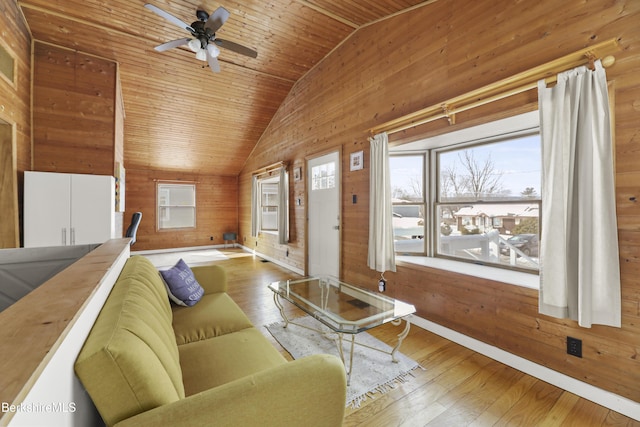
<point x="68" y="209"/>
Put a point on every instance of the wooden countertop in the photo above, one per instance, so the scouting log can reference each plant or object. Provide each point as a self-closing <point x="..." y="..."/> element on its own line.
<point x="32" y="329"/>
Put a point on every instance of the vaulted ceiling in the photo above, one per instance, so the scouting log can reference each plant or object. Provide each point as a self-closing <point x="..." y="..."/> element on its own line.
<point x="179" y="115"/>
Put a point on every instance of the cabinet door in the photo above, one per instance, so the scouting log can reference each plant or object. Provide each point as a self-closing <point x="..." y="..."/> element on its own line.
<point x="47" y="198"/>
<point x="92" y="208"/>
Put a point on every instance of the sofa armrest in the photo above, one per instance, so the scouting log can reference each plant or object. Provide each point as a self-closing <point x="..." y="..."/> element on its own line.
<point x="307" y="392"/>
<point x="212" y="278"/>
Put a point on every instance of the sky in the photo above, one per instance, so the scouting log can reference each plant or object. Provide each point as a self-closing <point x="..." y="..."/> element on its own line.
<point x="518" y="160"/>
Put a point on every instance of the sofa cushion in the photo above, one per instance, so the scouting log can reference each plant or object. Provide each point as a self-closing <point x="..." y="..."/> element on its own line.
<point x="212" y="278"/>
<point x="215" y="314"/>
<point x="130" y="361"/>
<point x="210" y="363"/>
<point x="182" y="286"/>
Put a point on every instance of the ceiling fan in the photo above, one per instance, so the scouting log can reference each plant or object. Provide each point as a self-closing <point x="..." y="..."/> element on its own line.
<point x="203" y="31"/>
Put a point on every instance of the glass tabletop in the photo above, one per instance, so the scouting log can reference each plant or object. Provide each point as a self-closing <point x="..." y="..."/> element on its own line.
<point x="342" y="307"/>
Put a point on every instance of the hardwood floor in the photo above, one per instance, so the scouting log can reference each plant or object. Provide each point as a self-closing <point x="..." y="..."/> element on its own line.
<point x="458" y="386"/>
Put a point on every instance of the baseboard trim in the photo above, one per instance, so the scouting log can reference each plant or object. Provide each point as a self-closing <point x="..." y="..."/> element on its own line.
<point x="273" y="260"/>
<point x="597" y="395"/>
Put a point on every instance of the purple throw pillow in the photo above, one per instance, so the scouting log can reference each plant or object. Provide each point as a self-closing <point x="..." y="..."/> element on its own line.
<point x="182" y="286"/>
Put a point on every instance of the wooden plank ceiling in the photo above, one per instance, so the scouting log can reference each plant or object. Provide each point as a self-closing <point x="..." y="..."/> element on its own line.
<point x="179" y="115"/>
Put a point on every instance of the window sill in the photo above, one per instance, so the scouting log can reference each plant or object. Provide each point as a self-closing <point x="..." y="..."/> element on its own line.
<point x="517" y="278"/>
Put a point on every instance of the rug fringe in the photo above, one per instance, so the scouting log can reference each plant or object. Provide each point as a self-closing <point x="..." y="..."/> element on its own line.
<point x="386" y="387"/>
<point x="274" y="324"/>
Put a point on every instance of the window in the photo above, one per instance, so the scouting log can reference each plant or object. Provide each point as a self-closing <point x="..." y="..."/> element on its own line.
<point x="7" y="65"/>
<point x="407" y="188"/>
<point x="482" y="198"/>
<point x="488" y="202"/>
<point x="323" y="176"/>
<point x="269" y="204"/>
<point x="176" y="205"/>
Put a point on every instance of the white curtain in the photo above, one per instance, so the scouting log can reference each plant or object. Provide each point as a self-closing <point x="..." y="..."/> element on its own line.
<point x="254" y="206"/>
<point x="580" y="272"/>
<point x="381" y="251"/>
<point x="283" y="207"/>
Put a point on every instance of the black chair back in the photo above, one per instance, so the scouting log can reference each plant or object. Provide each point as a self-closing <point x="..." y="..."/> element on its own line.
<point x="133" y="228"/>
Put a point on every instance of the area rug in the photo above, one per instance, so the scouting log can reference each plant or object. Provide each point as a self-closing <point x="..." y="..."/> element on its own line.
<point x="373" y="371"/>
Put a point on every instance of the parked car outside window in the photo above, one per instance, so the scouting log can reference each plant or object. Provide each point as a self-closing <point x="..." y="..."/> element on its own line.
<point x="526" y="243"/>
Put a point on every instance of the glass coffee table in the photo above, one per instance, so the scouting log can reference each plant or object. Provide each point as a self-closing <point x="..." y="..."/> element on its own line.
<point x="343" y="308"/>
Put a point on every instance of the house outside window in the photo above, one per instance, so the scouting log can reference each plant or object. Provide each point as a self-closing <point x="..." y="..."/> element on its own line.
<point x="482" y="198"/>
<point x="176" y="203"/>
<point x="269" y="204"/>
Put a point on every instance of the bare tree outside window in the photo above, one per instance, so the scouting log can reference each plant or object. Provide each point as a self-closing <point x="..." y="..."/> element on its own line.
<point x="471" y="178"/>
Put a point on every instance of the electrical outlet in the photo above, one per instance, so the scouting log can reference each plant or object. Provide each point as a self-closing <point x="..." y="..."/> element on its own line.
<point x="574" y="346"/>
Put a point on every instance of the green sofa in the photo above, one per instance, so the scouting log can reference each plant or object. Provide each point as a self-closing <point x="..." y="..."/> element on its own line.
<point x="147" y="362"/>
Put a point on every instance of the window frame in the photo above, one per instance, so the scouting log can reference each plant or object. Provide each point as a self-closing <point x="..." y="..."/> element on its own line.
<point x="437" y="201"/>
<point x="515" y="127"/>
<point x="159" y="206"/>
<point x="423" y="204"/>
<point x="7" y="54"/>
<point x="274" y="180"/>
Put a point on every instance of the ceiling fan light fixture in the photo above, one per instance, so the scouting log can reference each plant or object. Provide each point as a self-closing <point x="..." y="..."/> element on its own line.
<point x="201" y="55"/>
<point x="213" y="50"/>
<point x="194" y="45"/>
<point x="204" y="43"/>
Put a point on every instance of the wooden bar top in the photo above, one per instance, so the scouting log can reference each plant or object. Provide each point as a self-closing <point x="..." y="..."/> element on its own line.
<point x="32" y="329"/>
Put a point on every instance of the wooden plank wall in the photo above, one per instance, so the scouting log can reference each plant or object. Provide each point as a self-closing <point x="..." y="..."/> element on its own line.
<point x="15" y="111"/>
<point x="216" y="209"/>
<point x="9" y="229"/>
<point x="420" y="58"/>
<point x="74" y="107"/>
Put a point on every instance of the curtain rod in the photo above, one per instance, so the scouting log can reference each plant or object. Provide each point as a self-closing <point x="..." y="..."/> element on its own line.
<point x="504" y="88"/>
<point x="270" y="168"/>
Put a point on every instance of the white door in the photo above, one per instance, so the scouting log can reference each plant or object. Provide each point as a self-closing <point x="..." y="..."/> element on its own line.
<point x="92" y="208"/>
<point x="323" y="189"/>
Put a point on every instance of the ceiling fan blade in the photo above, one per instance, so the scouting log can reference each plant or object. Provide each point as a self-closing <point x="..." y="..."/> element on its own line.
<point x="169" y="17"/>
<point x="217" y="18"/>
<point x="213" y="63"/>
<point x="236" y="48"/>
<point x="172" y="44"/>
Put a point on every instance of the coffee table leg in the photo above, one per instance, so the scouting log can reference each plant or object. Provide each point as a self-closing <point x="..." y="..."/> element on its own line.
<point x="341" y="351"/>
<point x="281" y="309"/>
<point x="401" y="337"/>
<point x="353" y="341"/>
